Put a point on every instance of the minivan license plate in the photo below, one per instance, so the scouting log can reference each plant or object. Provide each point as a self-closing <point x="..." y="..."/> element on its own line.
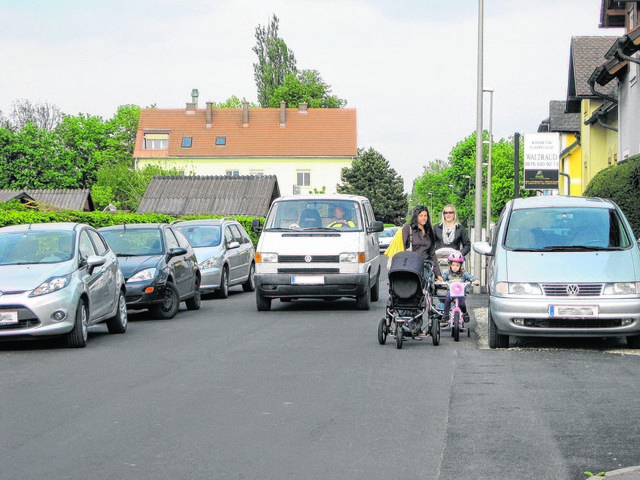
<point x="8" y="318"/>
<point x="571" y="311"/>
<point x="308" y="280"/>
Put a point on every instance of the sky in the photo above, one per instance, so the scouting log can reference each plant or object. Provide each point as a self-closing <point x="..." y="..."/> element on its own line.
<point x="408" y="67"/>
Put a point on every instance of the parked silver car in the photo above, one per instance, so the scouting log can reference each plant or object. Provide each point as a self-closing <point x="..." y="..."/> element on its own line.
<point x="385" y="237"/>
<point x="562" y="266"/>
<point x="224" y="251"/>
<point x="58" y="279"/>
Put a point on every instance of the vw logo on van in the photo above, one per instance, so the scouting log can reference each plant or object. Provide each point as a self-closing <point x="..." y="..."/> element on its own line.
<point x="572" y="289"/>
<point x="307" y="258"/>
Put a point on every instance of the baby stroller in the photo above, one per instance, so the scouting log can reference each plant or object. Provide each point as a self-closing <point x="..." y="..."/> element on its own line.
<point x="407" y="308"/>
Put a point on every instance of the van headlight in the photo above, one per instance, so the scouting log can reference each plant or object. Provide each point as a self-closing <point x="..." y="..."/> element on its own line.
<point x="51" y="285"/>
<point x="621" y="288"/>
<point x="518" y="288"/>
<point x="262" y="257"/>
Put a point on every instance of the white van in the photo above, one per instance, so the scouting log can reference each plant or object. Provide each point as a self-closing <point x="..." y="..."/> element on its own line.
<point x="318" y="246"/>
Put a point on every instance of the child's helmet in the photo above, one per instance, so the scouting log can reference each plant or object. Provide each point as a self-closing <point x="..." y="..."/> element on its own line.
<point x="456" y="257"/>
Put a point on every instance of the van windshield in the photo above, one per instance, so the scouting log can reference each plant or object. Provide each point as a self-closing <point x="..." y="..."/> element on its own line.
<point x="566" y="228"/>
<point x="305" y="214"/>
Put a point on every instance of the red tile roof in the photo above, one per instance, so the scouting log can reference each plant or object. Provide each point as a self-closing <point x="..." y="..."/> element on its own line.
<point x="316" y="133"/>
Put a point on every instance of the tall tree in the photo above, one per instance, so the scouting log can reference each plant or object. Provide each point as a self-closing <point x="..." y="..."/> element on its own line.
<point x="43" y="115"/>
<point x="307" y="86"/>
<point x="275" y="61"/>
<point x="371" y="176"/>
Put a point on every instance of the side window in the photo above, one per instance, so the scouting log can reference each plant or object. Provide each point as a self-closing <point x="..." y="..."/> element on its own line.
<point x="228" y="236"/>
<point x="85" y="246"/>
<point x="170" y="239"/>
<point x="368" y="215"/>
<point x="237" y="236"/>
<point x="98" y="242"/>
<point x="182" y="240"/>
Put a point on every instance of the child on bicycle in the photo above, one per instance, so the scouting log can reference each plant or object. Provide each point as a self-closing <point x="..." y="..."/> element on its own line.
<point x="456" y="273"/>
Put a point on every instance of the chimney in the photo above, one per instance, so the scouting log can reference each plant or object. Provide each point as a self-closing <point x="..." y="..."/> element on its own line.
<point x="191" y="108"/>
<point x="245" y="113"/>
<point x="194" y="97"/>
<point x="283" y="114"/>
<point x="209" y="114"/>
<point x="302" y="108"/>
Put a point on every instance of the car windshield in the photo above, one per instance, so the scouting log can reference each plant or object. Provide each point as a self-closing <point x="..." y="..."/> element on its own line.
<point x="566" y="228"/>
<point x="386" y="233"/>
<point x="134" y="241"/>
<point x="201" y="235"/>
<point x="305" y="214"/>
<point x="36" y="246"/>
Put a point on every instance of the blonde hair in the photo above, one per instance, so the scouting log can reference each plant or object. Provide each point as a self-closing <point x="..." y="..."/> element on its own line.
<point x="455" y="214"/>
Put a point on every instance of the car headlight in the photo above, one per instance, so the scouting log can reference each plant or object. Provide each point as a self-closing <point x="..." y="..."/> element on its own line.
<point x="51" y="285"/>
<point x="621" y="288"/>
<point x="143" y="276"/>
<point x="507" y="288"/>
<point x="262" y="257"/>
<point x="352" y="257"/>
<point x="212" y="262"/>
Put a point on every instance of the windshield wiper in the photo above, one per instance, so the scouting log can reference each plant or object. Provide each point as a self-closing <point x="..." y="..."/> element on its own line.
<point x="569" y="248"/>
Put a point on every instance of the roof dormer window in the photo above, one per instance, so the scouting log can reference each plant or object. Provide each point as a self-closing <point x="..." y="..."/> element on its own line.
<point x="156" y="141"/>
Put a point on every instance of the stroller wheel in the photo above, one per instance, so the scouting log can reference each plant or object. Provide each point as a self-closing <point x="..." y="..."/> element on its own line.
<point x="435" y="331"/>
<point x="382" y="331"/>
<point x="399" y="337"/>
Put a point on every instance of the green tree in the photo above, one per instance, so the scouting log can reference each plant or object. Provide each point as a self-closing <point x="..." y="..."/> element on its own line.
<point x="275" y="61"/>
<point x="232" y="102"/>
<point x="621" y="184"/>
<point x="371" y="176"/>
<point x="307" y="86"/>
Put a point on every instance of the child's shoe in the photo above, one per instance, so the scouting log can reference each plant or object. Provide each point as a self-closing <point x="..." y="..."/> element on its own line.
<point x="465" y="317"/>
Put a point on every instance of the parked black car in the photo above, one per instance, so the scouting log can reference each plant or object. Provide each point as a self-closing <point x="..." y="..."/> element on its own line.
<point x="159" y="266"/>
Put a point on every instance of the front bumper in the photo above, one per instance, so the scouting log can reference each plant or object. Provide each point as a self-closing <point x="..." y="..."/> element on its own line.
<point x="530" y="316"/>
<point x="277" y="285"/>
<point x="211" y="279"/>
<point x="137" y="297"/>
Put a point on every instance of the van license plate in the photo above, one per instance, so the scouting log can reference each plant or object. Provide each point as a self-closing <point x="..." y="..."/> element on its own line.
<point x="308" y="280"/>
<point x="8" y="318"/>
<point x="587" y="311"/>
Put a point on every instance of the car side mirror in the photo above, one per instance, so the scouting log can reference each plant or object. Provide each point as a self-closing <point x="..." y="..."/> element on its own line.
<point x="233" y="244"/>
<point x="176" y="251"/>
<point x="483" y="248"/>
<point x="376" y="226"/>
<point x="255" y="225"/>
<point x="94" y="261"/>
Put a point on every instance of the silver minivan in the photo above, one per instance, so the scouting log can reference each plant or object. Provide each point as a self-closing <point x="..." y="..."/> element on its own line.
<point x="562" y="266"/>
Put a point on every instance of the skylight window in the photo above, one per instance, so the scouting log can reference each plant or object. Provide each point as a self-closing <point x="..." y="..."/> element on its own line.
<point x="221" y="140"/>
<point x="186" y="142"/>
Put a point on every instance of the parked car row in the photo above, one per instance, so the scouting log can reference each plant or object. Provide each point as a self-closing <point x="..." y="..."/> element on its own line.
<point x="57" y="279"/>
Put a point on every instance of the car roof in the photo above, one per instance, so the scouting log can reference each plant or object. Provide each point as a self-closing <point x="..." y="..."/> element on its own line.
<point x="136" y="226"/>
<point x="205" y="221"/>
<point x="71" y="226"/>
<point x="324" y="197"/>
<point x="561" y="201"/>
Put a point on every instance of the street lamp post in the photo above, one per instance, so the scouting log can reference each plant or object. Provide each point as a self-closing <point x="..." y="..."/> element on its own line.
<point x="430" y="206"/>
<point x="477" y="227"/>
<point x="488" y="232"/>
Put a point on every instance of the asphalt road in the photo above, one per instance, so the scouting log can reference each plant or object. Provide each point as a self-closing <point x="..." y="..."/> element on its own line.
<point x="306" y="392"/>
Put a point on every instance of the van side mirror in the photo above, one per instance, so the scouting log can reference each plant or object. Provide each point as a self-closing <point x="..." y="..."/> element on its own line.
<point x="376" y="226"/>
<point x="255" y="225"/>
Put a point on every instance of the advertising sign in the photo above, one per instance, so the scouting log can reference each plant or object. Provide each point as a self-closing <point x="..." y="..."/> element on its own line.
<point x="541" y="161"/>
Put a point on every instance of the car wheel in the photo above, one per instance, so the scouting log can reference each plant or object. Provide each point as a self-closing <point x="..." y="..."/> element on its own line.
<point x="382" y="331"/>
<point x="250" y="284"/>
<point x="375" y="290"/>
<point x="263" y="303"/>
<point x="170" y="303"/>
<point x="194" y="302"/>
<point x="223" y="292"/>
<point x="118" y="323"/>
<point x="364" y="301"/>
<point x="633" y="341"/>
<point x="496" y="340"/>
<point x="77" y="337"/>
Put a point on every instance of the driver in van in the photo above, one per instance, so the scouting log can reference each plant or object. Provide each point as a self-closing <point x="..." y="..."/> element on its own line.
<point x="339" y="220"/>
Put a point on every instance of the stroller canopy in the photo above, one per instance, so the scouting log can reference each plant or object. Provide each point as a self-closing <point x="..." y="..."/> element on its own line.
<point x="407" y="262"/>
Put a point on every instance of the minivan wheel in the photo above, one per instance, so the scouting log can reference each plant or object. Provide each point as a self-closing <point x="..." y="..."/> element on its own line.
<point x="77" y="337"/>
<point x="375" y="290"/>
<point x="496" y="340"/>
<point x="364" y="301"/>
<point x="633" y="341"/>
<point x="263" y="303"/>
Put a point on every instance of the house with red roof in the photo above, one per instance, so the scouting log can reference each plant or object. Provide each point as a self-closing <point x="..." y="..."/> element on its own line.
<point x="305" y="148"/>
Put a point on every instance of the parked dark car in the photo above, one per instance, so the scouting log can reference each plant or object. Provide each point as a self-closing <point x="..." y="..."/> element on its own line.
<point x="225" y="253"/>
<point x="159" y="266"/>
<point x="58" y="279"/>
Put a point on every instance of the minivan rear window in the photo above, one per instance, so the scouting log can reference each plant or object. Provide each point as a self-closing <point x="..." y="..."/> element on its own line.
<point x="566" y="228"/>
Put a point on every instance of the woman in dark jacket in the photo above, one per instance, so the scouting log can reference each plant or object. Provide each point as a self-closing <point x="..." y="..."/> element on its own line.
<point x="450" y="233"/>
<point x="418" y="236"/>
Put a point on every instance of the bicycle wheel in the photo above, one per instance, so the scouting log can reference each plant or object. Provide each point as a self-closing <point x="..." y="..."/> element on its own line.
<point x="456" y="326"/>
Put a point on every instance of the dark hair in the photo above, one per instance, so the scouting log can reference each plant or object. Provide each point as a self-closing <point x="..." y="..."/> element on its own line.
<point x="417" y="210"/>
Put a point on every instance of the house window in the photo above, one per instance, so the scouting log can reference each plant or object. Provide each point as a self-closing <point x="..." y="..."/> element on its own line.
<point x="221" y="140"/>
<point x="233" y="173"/>
<point x="156" y="141"/>
<point x="186" y="142"/>
<point x="304" y="179"/>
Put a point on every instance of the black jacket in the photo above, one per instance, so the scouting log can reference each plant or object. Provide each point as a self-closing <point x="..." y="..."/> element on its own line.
<point x="460" y="242"/>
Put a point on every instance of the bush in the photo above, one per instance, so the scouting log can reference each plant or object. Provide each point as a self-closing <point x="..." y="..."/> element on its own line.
<point x="620" y="183"/>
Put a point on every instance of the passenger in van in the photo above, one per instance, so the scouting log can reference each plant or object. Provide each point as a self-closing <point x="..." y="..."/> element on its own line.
<point x="339" y="221"/>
